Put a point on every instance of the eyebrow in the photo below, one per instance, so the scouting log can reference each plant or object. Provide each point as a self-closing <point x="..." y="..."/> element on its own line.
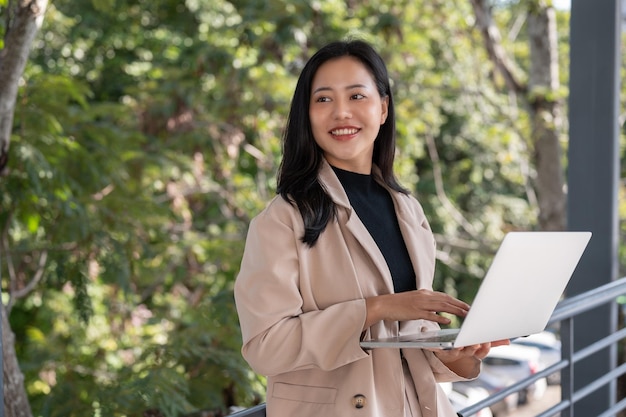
<point x="349" y="87"/>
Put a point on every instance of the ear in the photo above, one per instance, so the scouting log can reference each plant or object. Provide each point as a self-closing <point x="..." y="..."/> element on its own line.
<point x="384" y="103"/>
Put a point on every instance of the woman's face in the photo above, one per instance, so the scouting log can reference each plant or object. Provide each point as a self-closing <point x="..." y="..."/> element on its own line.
<point x="346" y="112"/>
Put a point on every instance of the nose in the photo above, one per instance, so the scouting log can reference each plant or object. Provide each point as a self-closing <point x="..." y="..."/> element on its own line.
<point x="342" y="110"/>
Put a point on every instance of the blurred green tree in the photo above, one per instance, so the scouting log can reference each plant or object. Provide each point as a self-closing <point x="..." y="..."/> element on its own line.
<point x="147" y="134"/>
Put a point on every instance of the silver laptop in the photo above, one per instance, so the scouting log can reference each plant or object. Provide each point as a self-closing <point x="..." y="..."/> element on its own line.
<point x="516" y="298"/>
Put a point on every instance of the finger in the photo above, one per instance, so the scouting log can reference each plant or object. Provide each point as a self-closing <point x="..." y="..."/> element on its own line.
<point x="448" y="299"/>
<point x="503" y="342"/>
<point x="472" y="350"/>
<point x="436" y="317"/>
<point x="440" y="301"/>
<point x="457" y="309"/>
<point x="483" y="350"/>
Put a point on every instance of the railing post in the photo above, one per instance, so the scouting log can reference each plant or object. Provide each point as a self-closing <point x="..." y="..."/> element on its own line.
<point x="593" y="180"/>
<point x="567" y="374"/>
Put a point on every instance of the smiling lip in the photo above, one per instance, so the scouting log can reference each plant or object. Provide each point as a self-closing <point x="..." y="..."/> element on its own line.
<point x="344" y="132"/>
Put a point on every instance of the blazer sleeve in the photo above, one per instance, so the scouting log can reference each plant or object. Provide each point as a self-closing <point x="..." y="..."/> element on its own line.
<point x="278" y="336"/>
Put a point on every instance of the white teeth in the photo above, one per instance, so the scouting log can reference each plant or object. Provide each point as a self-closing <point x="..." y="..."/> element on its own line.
<point x="341" y="132"/>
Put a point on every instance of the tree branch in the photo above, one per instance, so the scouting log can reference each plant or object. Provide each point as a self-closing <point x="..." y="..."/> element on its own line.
<point x="19" y="36"/>
<point x="441" y="194"/>
<point x="493" y="44"/>
<point x="4" y="248"/>
<point x="24" y="291"/>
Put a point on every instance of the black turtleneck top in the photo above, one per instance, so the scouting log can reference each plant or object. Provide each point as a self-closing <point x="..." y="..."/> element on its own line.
<point x="374" y="206"/>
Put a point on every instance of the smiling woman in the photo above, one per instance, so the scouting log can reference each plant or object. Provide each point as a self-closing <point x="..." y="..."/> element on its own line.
<point x="344" y="252"/>
<point x="346" y="113"/>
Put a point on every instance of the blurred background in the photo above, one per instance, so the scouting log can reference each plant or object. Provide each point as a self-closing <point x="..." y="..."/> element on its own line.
<point x="147" y="134"/>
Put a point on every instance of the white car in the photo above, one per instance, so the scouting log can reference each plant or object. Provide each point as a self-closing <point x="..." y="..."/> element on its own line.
<point x="550" y="347"/>
<point x="516" y="362"/>
<point x="470" y="396"/>
<point x="493" y="385"/>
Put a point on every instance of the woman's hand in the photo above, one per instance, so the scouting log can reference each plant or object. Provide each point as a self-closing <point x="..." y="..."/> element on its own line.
<point x="465" y="361"/>
<point x="413" y="305"/>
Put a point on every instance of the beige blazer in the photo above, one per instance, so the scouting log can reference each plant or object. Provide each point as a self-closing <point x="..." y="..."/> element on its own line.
<point x="302" y="312"/>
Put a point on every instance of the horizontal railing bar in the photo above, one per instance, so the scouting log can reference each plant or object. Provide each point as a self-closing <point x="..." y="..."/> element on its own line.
<point x="489" y="401"/>
<point x="513" y="388"/>
<point x="584" y="302"/>
<point x="256" y="411"/>
<point x="566" y="309"/>
<point x="549" y="370"/>
<point x="581" y="393"/>
<point x="600" y="382"/>
<point x="615" y="409"/>
<point x="599" y="345"/>
<point x="552" y="411"/>
<point x="555" y="367"/>
<point x="492" y="399"/>
<point x="482" y="404"/>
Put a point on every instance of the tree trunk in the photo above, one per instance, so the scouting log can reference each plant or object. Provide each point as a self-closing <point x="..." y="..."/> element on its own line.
<point x="15" y="398"/>
<point x="546" y="116"/>
<point x="541" y="97"/>
<point x="25" y="18"/>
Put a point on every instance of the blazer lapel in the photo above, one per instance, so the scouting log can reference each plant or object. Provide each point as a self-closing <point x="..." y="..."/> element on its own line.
<point x="353" y="224"/>
<point x="418" y="239"/>
<point x="360" y="232"/>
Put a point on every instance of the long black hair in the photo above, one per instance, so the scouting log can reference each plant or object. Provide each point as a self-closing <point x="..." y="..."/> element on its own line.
<point x="302" y="159"/>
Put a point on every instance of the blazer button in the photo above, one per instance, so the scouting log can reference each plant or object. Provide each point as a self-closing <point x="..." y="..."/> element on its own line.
<point x="359" y="401"/>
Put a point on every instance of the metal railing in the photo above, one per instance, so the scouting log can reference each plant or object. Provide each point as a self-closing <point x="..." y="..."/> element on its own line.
<point x="256" y="411"/>
<point x="565" y="313"/>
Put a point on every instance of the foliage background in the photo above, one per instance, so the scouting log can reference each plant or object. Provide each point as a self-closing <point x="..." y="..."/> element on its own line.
<point x="147" y="134"/>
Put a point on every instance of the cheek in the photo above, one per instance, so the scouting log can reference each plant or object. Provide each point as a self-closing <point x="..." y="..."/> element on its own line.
<point x="378" y="114"/>
<point x="316" y="126"/>
<point x="312" y="117"/>
<point x="316" y="120"/>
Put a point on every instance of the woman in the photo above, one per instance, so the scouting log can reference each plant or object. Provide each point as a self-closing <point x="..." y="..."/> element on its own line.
<point x="342" y="254"/>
